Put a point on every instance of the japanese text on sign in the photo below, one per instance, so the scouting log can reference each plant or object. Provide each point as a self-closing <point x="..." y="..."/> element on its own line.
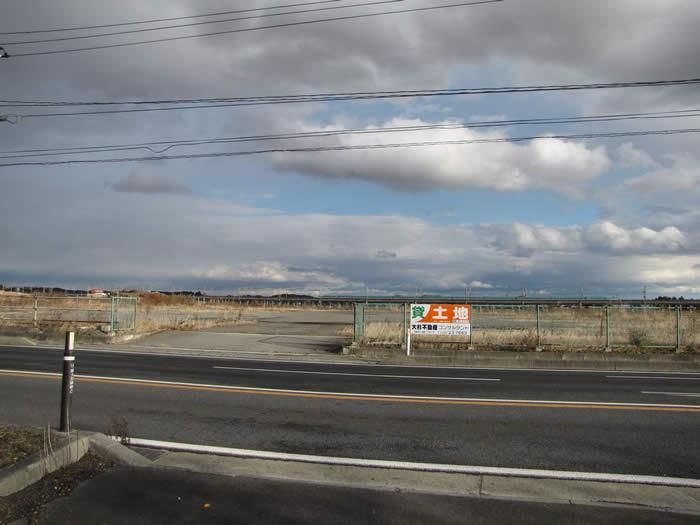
<point x="441" y="319"/>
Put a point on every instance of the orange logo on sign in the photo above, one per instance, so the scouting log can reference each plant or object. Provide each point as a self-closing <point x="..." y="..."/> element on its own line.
<point x="442" y="313"/>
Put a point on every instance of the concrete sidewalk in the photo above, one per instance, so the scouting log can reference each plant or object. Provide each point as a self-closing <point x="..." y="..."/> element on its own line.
<point x="128" y="495"/>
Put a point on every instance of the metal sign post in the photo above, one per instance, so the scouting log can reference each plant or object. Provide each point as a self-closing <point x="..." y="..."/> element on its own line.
<point x="67" y="391"/>
<point x="408" y="335"/>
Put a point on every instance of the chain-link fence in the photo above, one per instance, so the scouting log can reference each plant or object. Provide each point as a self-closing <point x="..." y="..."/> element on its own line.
<point x="533" y="326"/>
<point x="113" y="313"/>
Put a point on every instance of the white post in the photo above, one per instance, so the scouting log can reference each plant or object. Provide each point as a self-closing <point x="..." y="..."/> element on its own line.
<point x="407" y="322"/>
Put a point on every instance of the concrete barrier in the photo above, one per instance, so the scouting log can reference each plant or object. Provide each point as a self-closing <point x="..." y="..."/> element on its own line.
<point x="30" y="470"/>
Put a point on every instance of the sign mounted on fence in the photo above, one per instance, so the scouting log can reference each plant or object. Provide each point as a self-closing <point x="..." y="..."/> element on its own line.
<point x="441" y="319"/>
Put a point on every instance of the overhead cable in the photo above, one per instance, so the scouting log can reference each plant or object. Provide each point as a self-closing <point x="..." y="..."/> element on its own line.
<point x="173" y="105"/>
<point x="165" y="145"/>
<point x="320" y="149"/>
<point x="258" y="28"/>
<point x="171" y="19"/>
<point x="207" y="22"/>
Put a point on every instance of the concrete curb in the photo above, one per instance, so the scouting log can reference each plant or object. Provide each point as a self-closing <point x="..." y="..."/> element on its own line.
<point x="115" y="451"/>
<point x="32" y="469"/>
<point x="582" y="492"/>
<point x="532" y="360"/>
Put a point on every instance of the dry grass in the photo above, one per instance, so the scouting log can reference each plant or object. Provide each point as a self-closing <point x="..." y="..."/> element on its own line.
<point x="158" y="320"/>
<point x="17" y="444"/>
<point x="561" y="329"/>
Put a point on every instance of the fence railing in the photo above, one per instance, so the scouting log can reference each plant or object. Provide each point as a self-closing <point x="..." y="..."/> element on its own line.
<point x="540" y="326"/>
<point x="115" y="313"/>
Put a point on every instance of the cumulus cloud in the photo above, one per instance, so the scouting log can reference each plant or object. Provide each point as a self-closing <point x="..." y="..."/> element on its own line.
<point x="608" y="236"/>
<point x="562" y="166"/>
<point x="632" y="157"/>
<point x="143" y="180"/>
<point x="216" y="243"/>
<point x="683" y="175"/>
<point x="212" y="244"/>
<point x="524" y="240"/>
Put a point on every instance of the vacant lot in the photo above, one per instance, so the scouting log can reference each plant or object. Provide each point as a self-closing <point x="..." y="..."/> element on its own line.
<point x="560" y="328"/>
<point x="493" y="327"/>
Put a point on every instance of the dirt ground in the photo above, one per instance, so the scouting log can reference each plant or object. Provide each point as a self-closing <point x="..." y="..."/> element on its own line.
<point x="16" y="444"/>
<point x="29" y="502"/>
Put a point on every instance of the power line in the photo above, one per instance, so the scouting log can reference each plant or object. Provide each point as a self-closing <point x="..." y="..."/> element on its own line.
<point x="165" y="145"/>
<point x="192" y="24"/>
<point x="313" y="97"/>
<point x="171" y="19"/>
<point x="376" y="95"/>
<point x="259" y="28"/>
<point x="320" y="149"/>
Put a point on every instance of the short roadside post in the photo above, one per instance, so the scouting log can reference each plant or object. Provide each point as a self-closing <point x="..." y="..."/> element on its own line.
<point x="678" y="329"/>
<point x="67" y="391"/>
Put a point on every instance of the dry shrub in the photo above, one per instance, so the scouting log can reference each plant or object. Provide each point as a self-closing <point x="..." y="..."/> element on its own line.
<point x="119" y="428"/>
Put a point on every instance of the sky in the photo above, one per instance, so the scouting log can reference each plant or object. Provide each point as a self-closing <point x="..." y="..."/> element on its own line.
<point x="598" y="217"/>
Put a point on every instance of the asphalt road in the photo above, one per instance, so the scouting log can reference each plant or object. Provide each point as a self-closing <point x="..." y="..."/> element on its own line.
<point x="166" y="496"/>
<point x="631" y="423"/>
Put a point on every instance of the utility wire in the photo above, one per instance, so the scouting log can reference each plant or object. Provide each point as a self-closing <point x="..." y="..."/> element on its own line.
<point x="353" y="148"/>
<point x="163" y="146"/>
<point x="259" y="28"/>
<point x="154" y="20"/>
<point x="292" y="99"/>
<point x="313" y="97"/>
<point x="177" y="26"/>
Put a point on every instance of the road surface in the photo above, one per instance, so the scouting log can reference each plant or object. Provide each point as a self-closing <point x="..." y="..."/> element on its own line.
<point x="166" y="496"/>
<point x="628" y="423"/>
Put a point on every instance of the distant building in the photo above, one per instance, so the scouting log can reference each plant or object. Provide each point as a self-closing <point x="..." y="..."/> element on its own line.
<point x="96" y="292"/>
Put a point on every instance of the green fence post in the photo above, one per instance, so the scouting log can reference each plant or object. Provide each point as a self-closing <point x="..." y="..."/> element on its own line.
<point x="359" y="330"/>
<point x="608" y="343"/>
<point x="538" y="347"/>
<point x="678" y="328"/>
<point x="111" y="315"/>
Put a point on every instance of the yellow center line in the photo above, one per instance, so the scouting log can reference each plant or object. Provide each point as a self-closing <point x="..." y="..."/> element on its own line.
<point x="361" y="397"/>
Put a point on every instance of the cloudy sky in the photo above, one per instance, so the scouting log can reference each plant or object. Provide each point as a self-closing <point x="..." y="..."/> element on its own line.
<point x="605" y="216"/>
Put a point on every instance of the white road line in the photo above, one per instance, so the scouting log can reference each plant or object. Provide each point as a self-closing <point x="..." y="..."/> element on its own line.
<point x="357" y="394"/>
<point x="657" y="377"/>
<point x="680" y="394"/>
<point x="235" y="357"/>
<point x="353" y="374"/>
<point x="423" y="467"/>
